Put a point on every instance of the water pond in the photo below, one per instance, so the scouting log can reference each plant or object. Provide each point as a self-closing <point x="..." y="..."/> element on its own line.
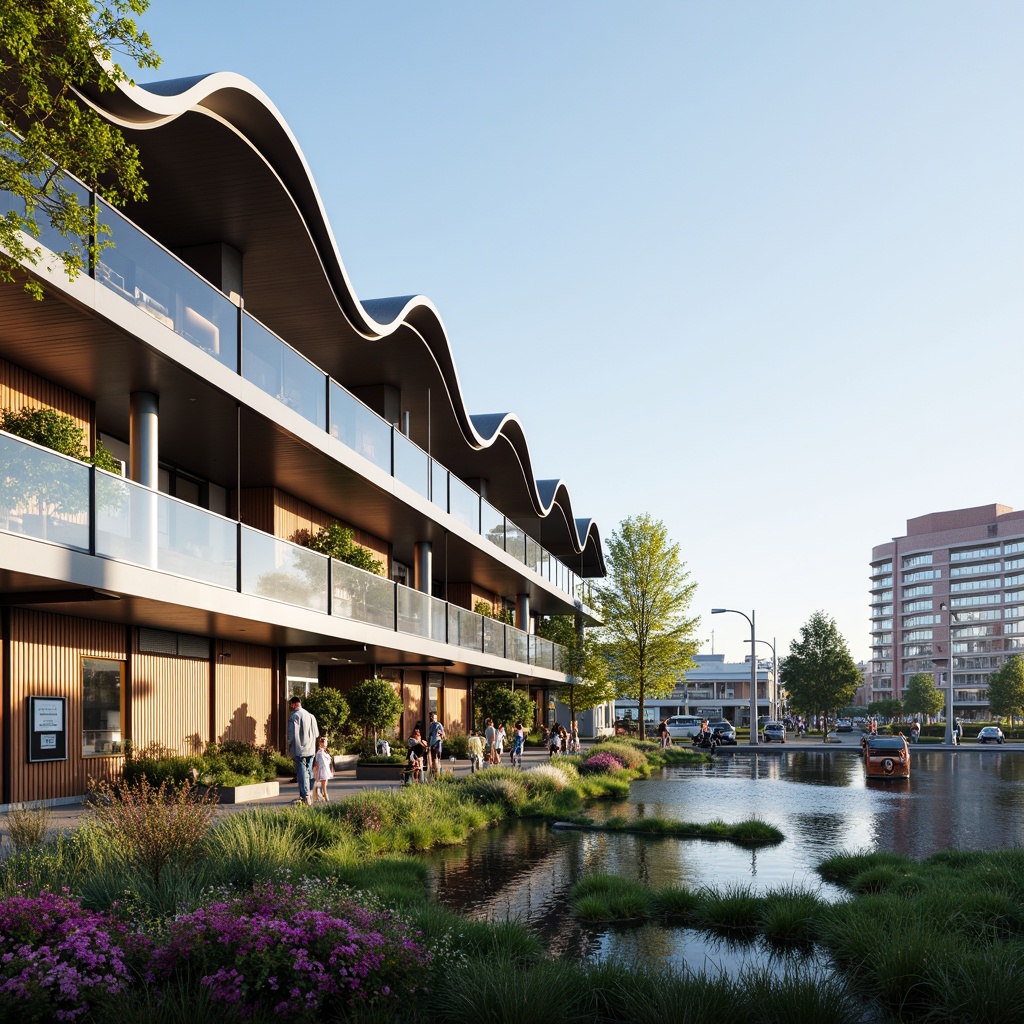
<point x="972" y="800"/>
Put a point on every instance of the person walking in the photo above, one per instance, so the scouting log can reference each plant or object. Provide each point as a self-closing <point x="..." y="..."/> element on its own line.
<point x="475" y="749"/>
<point x="663" y="732"/>
<point x="518" y="742"/>
<point x="490" y="741"/>
<point x="499" y="740"/>
<point x="302" y="737"/>
<point x="323" y="770"/>
<point x="435" y="740"/>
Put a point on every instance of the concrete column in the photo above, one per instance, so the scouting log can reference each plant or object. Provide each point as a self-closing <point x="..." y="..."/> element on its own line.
<point x="143" y="438"/>
<point x="523" y="612"/>
<point x="423" y="573"/>
<point x="144" y="452"/>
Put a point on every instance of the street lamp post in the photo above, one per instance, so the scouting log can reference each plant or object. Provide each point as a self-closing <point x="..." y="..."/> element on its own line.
<point x="943" y="607"/>
<point x="753" y="668"/>
<point x="775" y="675"/>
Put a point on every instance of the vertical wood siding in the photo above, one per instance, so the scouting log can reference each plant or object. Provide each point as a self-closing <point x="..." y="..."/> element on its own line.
<point x="455" y="705"/>
<point x="170" y="702"/>
<point x="19" y="388"/>
<point x="244" y="693"/>
<point x="411" y="692"/>
<point x="46" y="661"/>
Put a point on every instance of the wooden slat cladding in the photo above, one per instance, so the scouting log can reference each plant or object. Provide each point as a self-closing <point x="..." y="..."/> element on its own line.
<point x="244" y="693"/>
<point x="465" y="595"/>
<point x="19" y="388"/>
<point x="170" y="702"/>
<point x="46" y="660"/>
<point x="455" y="705"/>
<point x="411" y="692"/>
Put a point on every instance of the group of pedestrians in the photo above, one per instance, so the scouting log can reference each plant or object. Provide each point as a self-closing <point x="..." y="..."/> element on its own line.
<point x="489" y="750"/>
<point x="563" y="741"/>
<point x="425" y="752"/>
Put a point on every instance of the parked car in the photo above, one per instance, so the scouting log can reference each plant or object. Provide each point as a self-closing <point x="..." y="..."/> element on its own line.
<point x="683" y="727"/>
<point x="724" y="730"/>
<point x="990" y="733"/>
<point x="886" y="757"/>
<point x="844" y="725"/>
<point x="774" y="731"/>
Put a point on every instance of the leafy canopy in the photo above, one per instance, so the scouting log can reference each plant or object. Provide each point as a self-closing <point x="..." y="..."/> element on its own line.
<point x="819" y="672"/>
<point x="891" y="707"/>
<point x="497" y="700"/>
<point x="329" y="708"/>
<point x="337" y="541"/>
<point x="374" y="705"/>
<point x="581" y="659"/>
<point x="49" y="51"/>
<point x="922" y="697"/>
<point x="1006" y="688"/>
<point x="647" y="642"/>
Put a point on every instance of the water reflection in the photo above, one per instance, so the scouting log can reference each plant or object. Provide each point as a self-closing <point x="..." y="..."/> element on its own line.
<point x="972" y="800"/>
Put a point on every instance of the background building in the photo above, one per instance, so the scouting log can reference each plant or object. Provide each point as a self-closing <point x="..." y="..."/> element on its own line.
<point x="951" y="588"/>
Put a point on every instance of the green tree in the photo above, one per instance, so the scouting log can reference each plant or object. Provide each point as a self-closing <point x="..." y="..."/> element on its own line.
<point x="26" y="480"/>
<point x="500" y="702"/>
<point x="374" y="706"/>
<point x="889" y="708"/>
<point x="329" y="708"/>
<point x="581" y="659"/>
<point x="922" y="697"/>
<point x="647" y="641"/>
<point x="819" y="672"/>
<point x="50" y="51"/>
<point x="1006" y="688"/>
<point x="337" y="541"/>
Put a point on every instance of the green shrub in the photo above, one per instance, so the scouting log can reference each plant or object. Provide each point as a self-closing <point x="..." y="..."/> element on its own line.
<point x="27" y="827"/>
<point x="170" y="770"/>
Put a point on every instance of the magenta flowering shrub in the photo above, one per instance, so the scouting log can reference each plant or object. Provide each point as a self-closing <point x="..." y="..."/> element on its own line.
<point x="271" y="951"/>
<point x="57" y="960"/>
<point x="597" y="763"/>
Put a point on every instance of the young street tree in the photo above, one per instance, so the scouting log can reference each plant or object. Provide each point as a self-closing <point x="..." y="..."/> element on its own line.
<point x="820" y="673"/>
<point x="50" y="52"/>
<point x="647" y="641"/>
<point x="582" y="660"/>
<point x="922" y="697"/>
<point x="1006" y="689"/>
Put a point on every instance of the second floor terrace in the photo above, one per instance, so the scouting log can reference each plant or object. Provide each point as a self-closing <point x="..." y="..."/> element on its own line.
<point x="64" y="505"/>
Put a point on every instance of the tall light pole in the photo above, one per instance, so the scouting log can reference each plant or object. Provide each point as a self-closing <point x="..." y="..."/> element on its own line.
<point x="753" y="668"/>
<point x="775" y="675"/>
<point x="943" y="607"/>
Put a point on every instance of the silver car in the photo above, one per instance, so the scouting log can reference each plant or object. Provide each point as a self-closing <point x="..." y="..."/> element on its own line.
<point x="774" y="732"/>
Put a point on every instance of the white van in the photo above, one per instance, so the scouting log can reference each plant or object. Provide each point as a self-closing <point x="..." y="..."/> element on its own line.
<point x="683" y="727"/>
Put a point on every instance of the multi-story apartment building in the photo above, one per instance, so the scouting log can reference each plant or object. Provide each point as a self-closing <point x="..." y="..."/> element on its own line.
<point x="951" y="588"/>
<point x="219" y="350"/>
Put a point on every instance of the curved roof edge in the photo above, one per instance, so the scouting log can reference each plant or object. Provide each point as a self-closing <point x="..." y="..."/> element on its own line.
<point x="249" y="111"/>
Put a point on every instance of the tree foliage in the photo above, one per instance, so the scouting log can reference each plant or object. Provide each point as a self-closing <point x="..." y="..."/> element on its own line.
<point x="337" y="541"/>
<point x="647" y="641"/>
<point x="889" y="708"/>
<point x="1006" y="688"/>
<point x="329" y="708"/>
<point x="922" y="697"/>
<point x="498" y="701"/>
<point x="50" y="50"/>
<point x="819" y="672"/>
<point x="374" y="705"/>
<point x="581" y="659"/>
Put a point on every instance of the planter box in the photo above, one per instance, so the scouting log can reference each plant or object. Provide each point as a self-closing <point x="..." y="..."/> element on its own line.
<point x="244" y="794"/>
<point x="345" y="762"/>
<point x="380" y="772"/>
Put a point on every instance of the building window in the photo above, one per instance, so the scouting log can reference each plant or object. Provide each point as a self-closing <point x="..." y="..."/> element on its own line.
<point x="910" y="561"/>
<point x="974" y="570"/>
<point x="917" y="606"/>
<point x="921" y="620"/>
<point x="102" y="709"/>
<point x="1012" y="547"/>
<point x="880" y="568"/>
<point x="922" y="574"/>
<point x="963" y="556"/>
<point x="925" y="590"/>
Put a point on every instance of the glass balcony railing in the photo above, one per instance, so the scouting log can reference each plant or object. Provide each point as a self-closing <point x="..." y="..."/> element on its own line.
<point x="149" y="277"/>
<point x="153" y="280"/>
<point x="53" y="498"/>
<point x="281" y="372"/>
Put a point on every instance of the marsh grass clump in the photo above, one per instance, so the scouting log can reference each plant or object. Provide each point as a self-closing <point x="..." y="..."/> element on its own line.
<point x="546" y="778"/>
<point x="27" y="827"/>
<point x="734" y="909"/>
<point x="801" y="996"/>
<point x="841" y="868"/>
<point x="502" y="786"/>
<point x="610" y="898"/>
<point x="789" y="917"/>
<point x="673" y="904"/>
<point x="631" y="754"/>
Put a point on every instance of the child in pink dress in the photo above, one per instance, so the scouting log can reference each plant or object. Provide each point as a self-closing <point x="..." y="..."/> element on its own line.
<point x="323" y="770"/>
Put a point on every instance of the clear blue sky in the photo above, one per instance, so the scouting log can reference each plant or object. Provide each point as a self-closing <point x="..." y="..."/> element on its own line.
<point x="760" y="264"/>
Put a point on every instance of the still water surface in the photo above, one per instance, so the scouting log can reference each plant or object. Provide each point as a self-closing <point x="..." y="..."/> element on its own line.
<point x="973" y="800"/>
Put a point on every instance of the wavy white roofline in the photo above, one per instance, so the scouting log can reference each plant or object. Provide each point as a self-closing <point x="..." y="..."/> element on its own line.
<point x="250" y="113"/>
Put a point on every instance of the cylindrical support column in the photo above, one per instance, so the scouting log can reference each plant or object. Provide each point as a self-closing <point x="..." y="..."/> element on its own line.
<point x="144" y="452"/>
<point x="143" y="438"/>
<point x="423" y="572"/>
<point x="523" y="612"/>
